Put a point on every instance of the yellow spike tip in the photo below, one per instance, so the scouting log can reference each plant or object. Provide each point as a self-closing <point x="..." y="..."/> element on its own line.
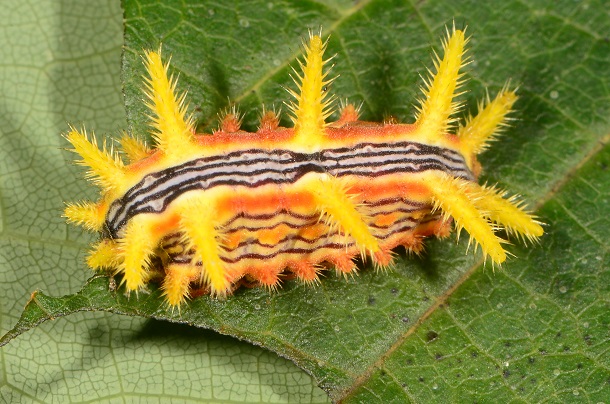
<point x="176" y="285"/>
<point x="313" y="103"/>
<point x="173" y="128"/>
<point x="478" y="131"/>
<point x="505" y="212"/>
<point x="105" y="168"/>
<point x="433" y="118"/>
<point x="87" y="214"/>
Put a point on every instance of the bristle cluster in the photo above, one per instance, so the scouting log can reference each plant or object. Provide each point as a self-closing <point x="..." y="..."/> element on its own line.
<point x="104" y="256"/>
<point x="214" y="211"/>
<point x="135" y="250"/>
<point x="230" y="121"/>
<point x="269" y="121"/>
<point x="176" y="287"/>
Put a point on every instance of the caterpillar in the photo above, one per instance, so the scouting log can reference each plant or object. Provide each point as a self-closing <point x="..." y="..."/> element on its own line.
<point x="208" y="211"/>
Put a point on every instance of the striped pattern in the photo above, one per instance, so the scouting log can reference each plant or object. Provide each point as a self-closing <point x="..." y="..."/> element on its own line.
<point x="293" y="246"/>
<point x="256" y="167"/>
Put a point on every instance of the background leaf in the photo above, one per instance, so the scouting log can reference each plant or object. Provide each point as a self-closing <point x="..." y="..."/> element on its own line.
<point x="436" y="329"/>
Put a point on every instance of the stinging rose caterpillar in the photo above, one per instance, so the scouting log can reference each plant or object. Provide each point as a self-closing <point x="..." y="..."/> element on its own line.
<point x="212" y="211"/>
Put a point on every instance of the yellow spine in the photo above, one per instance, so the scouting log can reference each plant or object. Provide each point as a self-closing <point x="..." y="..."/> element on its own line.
<point x="481" y="129"/>
<point x="337" y="207"/>
<point x="313" y="105"/>
<point x="135" y="250"/>
<point x="505" y="212"/>
<point x="434" y="115"/>
<point x="176" y="284"/>
<point x="173" y="129"/>
<point x="200" y="226"/>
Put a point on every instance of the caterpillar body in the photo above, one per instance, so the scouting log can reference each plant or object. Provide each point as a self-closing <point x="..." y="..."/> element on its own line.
<point x="209" y="211"/>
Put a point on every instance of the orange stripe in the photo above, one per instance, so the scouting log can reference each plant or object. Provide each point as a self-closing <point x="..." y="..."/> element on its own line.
<point x="383" y="188"/>
<point x="267" y="199"/>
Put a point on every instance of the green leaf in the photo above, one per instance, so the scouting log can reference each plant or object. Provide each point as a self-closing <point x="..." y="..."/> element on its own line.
<point x="437" y="329"/>
<point x="61" y="64"/>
